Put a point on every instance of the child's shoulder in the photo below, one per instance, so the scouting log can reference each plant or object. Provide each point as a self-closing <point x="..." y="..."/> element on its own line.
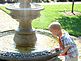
<point x="65" y="34"/>
<point x="64" y="31"/>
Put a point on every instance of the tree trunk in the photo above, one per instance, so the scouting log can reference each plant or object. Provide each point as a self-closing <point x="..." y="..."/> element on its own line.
<point x="72" y="6"/>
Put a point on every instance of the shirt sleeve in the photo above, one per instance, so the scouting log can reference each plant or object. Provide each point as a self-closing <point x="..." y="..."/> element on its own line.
<point x="67" y="41"/>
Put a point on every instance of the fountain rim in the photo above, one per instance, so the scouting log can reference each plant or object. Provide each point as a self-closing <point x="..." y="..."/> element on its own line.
<point x="38" y="8"/>
<point x="27" y="9"/>
<point x="27" y="56"/>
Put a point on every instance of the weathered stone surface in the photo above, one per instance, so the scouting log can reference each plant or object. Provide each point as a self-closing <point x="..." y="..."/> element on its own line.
<point x="37" y="56"/>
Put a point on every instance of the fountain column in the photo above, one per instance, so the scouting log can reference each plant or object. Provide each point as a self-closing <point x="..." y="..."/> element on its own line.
<point x="25" y="35"/>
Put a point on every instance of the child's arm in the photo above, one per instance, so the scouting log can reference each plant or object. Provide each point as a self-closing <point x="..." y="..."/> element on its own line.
<point x="65" y="50"/>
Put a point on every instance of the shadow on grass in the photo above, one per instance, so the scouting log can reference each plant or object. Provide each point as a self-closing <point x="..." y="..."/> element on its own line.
<point x="72" y="24"/>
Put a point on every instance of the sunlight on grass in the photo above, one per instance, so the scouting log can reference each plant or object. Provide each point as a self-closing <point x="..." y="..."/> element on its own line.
<point x="4" y="9"/>
<point x="52" y="13"/>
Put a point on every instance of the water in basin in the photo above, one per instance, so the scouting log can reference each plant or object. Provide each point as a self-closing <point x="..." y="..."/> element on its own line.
<point x="43" y="42"/>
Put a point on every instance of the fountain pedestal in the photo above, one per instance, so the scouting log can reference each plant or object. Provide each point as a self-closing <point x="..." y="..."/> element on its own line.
<point x="25" y="35"/>
<point x="24" y="13"/>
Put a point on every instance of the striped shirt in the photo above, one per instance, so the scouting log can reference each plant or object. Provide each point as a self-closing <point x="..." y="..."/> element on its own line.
<point x="68" y="41"/>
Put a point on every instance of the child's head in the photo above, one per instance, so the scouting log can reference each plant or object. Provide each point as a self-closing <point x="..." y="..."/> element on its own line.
<point x="55" y="28"/>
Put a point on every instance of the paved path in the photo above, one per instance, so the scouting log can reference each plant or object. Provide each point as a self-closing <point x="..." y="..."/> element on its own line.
<point x="7" y="22"/>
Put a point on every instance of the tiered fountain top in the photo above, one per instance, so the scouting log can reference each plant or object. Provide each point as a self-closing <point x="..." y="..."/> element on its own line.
<point x="25" y="5"/>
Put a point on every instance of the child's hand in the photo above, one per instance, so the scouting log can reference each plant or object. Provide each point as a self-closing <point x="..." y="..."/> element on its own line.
<point x="61" y="54"/>
<point x="52" y="50"/>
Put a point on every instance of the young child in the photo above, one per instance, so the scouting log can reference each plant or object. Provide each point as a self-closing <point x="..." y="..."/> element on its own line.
<point x="67" y="44"/>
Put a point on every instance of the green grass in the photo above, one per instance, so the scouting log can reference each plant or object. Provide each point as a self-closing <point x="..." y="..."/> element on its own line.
<point x="4" y="9"/>
<point x="71" y="24"/>
<point x="53" y="13"/>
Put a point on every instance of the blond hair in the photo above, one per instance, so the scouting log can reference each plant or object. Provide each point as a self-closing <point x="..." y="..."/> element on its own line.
<point x="55" y="25"/>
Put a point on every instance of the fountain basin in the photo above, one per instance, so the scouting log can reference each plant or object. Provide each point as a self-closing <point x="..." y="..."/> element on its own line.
<point x="37" y="56"/>
<point x="25" y="44"/>
<point x="39" y="52"/>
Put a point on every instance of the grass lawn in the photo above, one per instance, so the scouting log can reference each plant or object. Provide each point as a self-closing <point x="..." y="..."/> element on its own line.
<point x="4" y="9"/>
<point x="53" y="13"/>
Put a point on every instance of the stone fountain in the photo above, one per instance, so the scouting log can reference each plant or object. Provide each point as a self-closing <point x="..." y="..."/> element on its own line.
<point x="23" y="44"/>
<point x="25" y="13"/>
